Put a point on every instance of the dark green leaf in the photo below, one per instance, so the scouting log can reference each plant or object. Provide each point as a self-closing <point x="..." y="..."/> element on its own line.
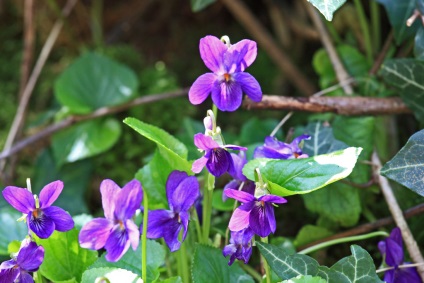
<point x="305" y="279"/>
<point x="357" y="268"/>
<point x="331" y="276"/>
<point x="327" y="8"/>
<point x="399" y="12"/>
<point x="75" y="176"/>
<point x="94" y="81"/>
<point x="10" y="229"/>
<point x="322" y="140"/>
<point x="255" y="130"/>
<point x="219" y="204"/>
<point x="419" y="44"/>
<point x="338" y="202"/>
<point x="112" y="274"/>
<point x="407" y="167"/>
<point x="131" y="260"/>
<point x="309" y="234"/>
<point x="209" y="265"/>
<point x="64" y="259"/>
<point x="85" y="140"/>
<point x="287" y="266"/>
<point x="301" y="176"/>
<point x="198" y="5"/>
<point x="406" y="76"/>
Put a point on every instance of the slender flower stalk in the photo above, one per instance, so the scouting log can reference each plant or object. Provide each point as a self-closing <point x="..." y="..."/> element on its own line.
<point x="144" y="237"/>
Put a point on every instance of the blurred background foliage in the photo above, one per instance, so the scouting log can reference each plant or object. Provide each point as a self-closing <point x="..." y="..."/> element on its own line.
<point x="153" y="47"/>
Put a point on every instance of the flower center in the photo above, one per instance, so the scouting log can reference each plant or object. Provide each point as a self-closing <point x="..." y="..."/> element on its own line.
<point x="121" y="225"/>
<point x="37" y="213"/>
<point x="227" y="77"/>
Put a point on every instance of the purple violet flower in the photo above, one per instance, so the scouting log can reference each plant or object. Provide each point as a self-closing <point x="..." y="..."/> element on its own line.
<point x="217" y="159"/>
<point x="392" y="248"/>
<point x="281" y="150"/>
<point x="117" y="230"/>
<point x="182" y="191"/>
<point x="42" y="218"/>
<point x="228" y="81"/>
<point x="28" y="259"/>
<point x="239" y="162"/>
<point x="255" y="212"/>
<point x="240" y="246"/>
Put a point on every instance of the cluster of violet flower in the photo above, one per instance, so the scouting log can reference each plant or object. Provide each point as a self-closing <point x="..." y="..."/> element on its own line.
<point x="42" y="219"/>
<point x="226" y="85"/>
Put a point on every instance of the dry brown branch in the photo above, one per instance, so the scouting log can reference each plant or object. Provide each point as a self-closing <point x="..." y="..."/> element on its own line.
<point x="45" y="133"/>
<point x="408" y="238"/>
<point x="365" y="228"/>
<point x="352" y="106"/>
<point x="264" y="39"/>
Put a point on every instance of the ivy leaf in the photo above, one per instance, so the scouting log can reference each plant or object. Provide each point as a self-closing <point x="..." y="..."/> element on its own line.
<point x="209" y="265"/>
<point x="64" y="259"/>
<point x="10" y="229"/>
<point x="357" y="268"/>
<point x="322" y="140"/>
<point x="85" y="140"/>
<point x="94" y="81"/>
<point x="331" y="276"/>
<point x="404" y="74"/>
<point x="305" y="279"/>
<point x="301" y="176"/>
<point x="171" y="149"/>
<point x="407" y="167"/>
<point x="419" y="44"/>
<point x="110" y="274"/>
<point x="327" y="8"/>
<point x="287" y="266"/>
<point x="198" y="5"/>
<point x="131" y="261"/>
<point x="399" y="12"/>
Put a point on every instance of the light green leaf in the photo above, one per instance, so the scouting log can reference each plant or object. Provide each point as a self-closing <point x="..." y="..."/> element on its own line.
<point x="113" y="275"/>
<point x="10" y="229"/>
<point x="322" y="140"/>
<point x="210" y="266"/>
<point x="287" y="266"/>
<point x="170" y="148"/>
<point x="357" y="268"/>
<point x="309" y="234"/>
<point x="198" y="5"/>
<point x="131" y="261"/>
<point x="407" y="167"/>
<point x="327" y="7"/>
<point x="301" y="176"/>
<point x="305" y="279"/>
<point x="338" y="202"/>
<point x="94" y="81"/>
<point x="64" y="259"/>
<point x="85" y="140"/>
<point x="405" y="75"/>
<point x="331" y="276"/>
<point x="399" y="12"/>
<point x="173" y="280"/>
<point x="219" y="204"/>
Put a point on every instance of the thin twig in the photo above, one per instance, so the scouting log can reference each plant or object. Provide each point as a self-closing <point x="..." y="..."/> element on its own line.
<point x="339" y="69"/>
<point x="382" y="54"/>
<point x="26" y="95"/>
<point x="408" y="238"/>
<point x="343" y="105"/>
<point x="264" y="39"/>
<point x="28" y="50"/>
<point x="284" y="120"/>
<point x="365" y="228"/>
<point x="96" y="114"/>
<point x="399" y="266"/>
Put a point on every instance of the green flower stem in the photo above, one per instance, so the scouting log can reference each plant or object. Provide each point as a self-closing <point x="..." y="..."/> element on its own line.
<point x="265" y="263"/>
<point x="365" y="30"/>
<point x="144" y="238"/>
<point x="197" y="223"/>
<point x="207" y="207"/>
<point x="343" y="240"/>
<point x="183" y="269"/>
<point x="375" y="25"/>
<point x="215" y="111"/>
<point x="37" y="277"/>
<point x="251" y="271"/>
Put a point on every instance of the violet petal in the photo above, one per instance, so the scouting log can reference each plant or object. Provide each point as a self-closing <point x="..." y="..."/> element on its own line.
<point x="50" y="193"/>
<point x="62" y="220"/>
<point x="239" y="220"/>
<point x="9" y="275"/>
<point x="25" y="277"/>
<point x="272" y="199"/>
<point x="259" y="222"/>
<point x="249" y="85"/>
<point x="241" y="196"/>
<point x="109" y="190"/>
<point x="219" y="162"/>
<point x="117" y="244"/>
<point x="133" y="233"/>
<point x="158" y="221"/>
<point x="95" y="233"/>
<point x="42" y="225"/>
<point x="182" y="197"/>
<point x="243" y="54"/>
<point x="170" y="235"/>
<point x="227" y="96"/>
<point x="211" y="52"/>
<point x="30" y="256"/>
<point x="201" y="88"/>
<point x="128" y="200"/>
<point x="21" y="199"/>
<point x="204" y="142"/>
<point x="394" y="253"/>
<point x="199" y="164"/>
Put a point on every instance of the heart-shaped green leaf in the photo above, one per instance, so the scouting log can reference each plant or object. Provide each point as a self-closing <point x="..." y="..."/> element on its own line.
<point x="328" y="7"/>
